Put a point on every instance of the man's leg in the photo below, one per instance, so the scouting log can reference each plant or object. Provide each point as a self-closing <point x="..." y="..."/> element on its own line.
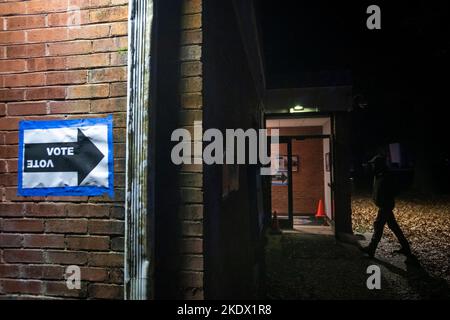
<point x="378" y="227"/>
<point x="393" y="225"/>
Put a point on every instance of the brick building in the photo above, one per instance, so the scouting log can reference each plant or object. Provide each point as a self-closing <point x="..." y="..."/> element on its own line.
<point x="170" y="231"/>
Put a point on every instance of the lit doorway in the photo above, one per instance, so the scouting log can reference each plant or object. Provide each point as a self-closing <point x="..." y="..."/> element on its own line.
<point x="301" y="186"/>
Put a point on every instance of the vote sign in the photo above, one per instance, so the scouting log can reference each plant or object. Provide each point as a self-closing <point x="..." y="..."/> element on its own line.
<point x="66" y="157"/>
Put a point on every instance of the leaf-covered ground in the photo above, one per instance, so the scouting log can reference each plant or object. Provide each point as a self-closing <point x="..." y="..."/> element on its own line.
<point x="426" y="224"/>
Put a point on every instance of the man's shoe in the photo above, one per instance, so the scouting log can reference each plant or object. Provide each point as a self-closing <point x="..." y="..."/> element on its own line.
<point x="367" y="250"/>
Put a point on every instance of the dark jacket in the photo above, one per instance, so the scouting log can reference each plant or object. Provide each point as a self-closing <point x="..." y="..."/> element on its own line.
<point x="384" y="191"/>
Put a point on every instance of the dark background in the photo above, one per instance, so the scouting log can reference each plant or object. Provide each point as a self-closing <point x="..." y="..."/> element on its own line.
<point x="399" y="74"/>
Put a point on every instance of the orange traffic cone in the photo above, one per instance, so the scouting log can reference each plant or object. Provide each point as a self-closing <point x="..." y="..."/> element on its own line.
<point x="275" y="224"/>
<point x="320" y="210"/>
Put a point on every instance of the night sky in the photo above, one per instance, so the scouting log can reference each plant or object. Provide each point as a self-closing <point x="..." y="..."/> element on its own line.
<point x="400" y="71"/>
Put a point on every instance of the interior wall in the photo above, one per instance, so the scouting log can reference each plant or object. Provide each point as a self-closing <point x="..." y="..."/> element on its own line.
<point x="308" y="180"/>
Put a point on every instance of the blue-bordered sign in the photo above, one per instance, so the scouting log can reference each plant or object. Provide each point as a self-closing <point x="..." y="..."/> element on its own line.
<point x="66" y="158"/>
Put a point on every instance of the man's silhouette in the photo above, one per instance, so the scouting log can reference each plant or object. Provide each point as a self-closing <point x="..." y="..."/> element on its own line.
<point x="384" y="198"/>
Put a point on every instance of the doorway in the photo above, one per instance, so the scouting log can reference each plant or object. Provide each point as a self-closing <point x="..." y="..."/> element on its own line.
<point x="302" y="180"/>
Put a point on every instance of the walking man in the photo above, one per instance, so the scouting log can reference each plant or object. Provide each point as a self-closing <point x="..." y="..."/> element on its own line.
<point x="384" y="198"/>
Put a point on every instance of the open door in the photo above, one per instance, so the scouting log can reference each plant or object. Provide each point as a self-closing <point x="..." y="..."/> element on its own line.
<point x="303" y="181"/>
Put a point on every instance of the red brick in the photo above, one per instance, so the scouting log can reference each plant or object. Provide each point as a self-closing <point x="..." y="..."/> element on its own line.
<point x="78" y="106"/>
<point x="66" y="257"/>
<point x="191" y="212"/>
<point x="23" y="255"/>
<point x="42" y="272"/>
<point x="23" y="225"/>
<point x="192" y="245"/>
<point x="119" y="179"/>
<point x="118" y="2"/>
<point x="88" y="91"/>
<point x="12" y="165"/>
<point x="119" y="150"/>
<point x="105" y="291"/>
<point x="192" y="262"/>
<point x="26" y="51"/>
<point x="189" y="53"/>
<point x="109" y="105"/>
<point x="24" y="80"/>
<point x="118" y="212"/>
<point x="47" y="35"/>
<point x="191" y="21"/>
<point x="119" y="29"/>
<point x="11" y="209"/>
<point x="10" y="270"/>
<point x="21" y="286"/>
<point x="46" y="93"/>
<point x="45" y="210"/>
<point x="10" y="241"/>
<point x="106" y="259"/>
<point x="191" y="68"/>
<point x="191" y="84"/>
<point x="60" y="289"/>
<point x="8" y="151"/>
<point x="106" y="227"/>
<point x="27" y="108"/>
<point x="191" y="6"/>
<point x="117" y="244"/>
<point x="119" y="165"/>
<point x="9" y="123"/>
<point x="89" y="32"/>
<point x="68" y="48"/>
<point x="11" y="95"/>
<point x="93" y="274"/>
<point x="71" y="18"/>
<point x="118" y="89"/>
<point x="87" y="210"/>
<point x="191" y="37"/>
<point x="43" y="64"/>
<point x="66" y="226"/>
<point x="12" y="8"/>
<point x="44" y="6"/>
<point x="108" y="14"/>
<point x="25" y="22"/>
<point x="192" y="100"/>
<point x="119" y="58"/>
<point x="192" y="228"/>
<point x="66" y="77"/>
<point x="90" y="61"/>
<point x="2" y="109"/>
<point x="88" y="243"/>
<point x="119" y="135"/>
<point x="10" y="37"/>
<point x="11" y="137"/>
<point x="3" y="166"/>
<point x="12" y="66"/>
<point x="43" y="241"/>
<point x="108" y="75"/>
<point x="120" y="119"/>
<point x="110" y="44"/>
<point x="8" y="180"/>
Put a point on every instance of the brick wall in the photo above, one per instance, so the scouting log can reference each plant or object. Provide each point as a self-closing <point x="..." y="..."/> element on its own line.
<point x="191" y="176"/>
<point x="61" y="59"/>
<point x="308" y="185"/>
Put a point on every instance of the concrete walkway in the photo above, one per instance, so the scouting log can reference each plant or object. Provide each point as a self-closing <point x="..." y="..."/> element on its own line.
<point x="308" y="264"/>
